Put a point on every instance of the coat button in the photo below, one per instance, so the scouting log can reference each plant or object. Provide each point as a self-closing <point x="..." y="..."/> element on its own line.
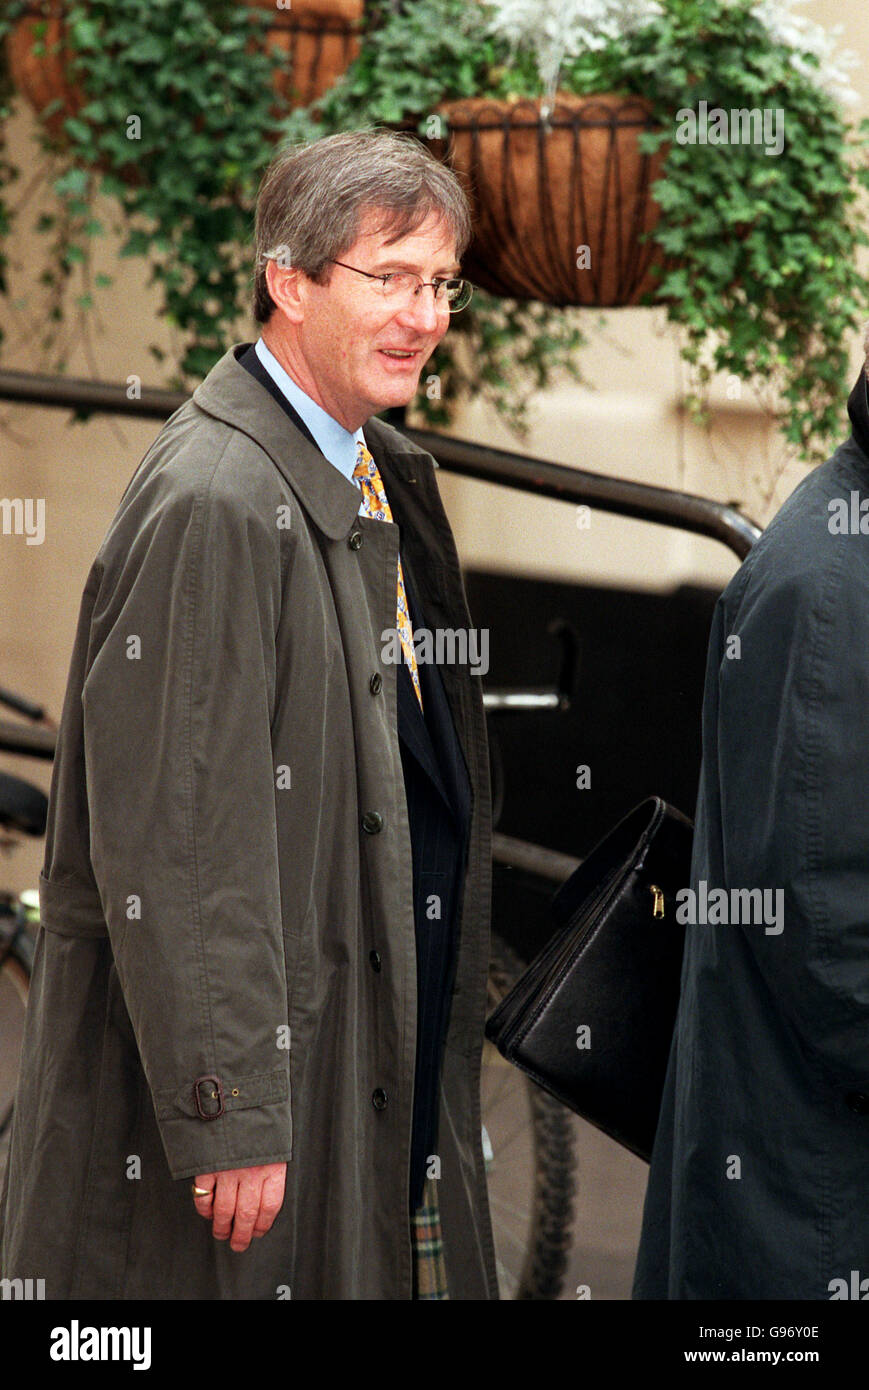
<point x="354" y="540"/>
<point x="374" y="957"/>
<point x="378" y="1098"/>
<point x="858" y="1102"/>
<point x="372" y="822"/>
<point x="376" y="683"/>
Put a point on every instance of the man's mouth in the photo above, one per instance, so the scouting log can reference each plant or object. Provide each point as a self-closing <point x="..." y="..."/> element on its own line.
<point x="400" y="352"/>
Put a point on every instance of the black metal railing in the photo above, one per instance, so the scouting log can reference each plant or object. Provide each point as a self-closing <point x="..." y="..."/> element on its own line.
<point x="643" y="501"/>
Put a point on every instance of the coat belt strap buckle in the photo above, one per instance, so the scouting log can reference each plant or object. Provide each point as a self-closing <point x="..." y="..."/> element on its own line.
<point x="213" y="1092"/>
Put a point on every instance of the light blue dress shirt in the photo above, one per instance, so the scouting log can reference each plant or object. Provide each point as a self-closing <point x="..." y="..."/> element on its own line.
<point x="338" y="445"/>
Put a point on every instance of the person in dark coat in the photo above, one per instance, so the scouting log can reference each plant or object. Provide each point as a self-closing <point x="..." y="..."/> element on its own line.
<point x="251" y="1063"/>
<point x="759" y="1180"/>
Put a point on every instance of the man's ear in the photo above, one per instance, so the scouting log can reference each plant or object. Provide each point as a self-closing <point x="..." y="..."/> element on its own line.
<point x="285" y="288"/>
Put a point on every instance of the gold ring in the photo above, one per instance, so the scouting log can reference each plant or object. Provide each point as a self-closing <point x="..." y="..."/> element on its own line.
<point x="202" y="1191"/>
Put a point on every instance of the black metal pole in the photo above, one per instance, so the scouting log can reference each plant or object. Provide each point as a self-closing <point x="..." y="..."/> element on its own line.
<point x="643" y="501"/>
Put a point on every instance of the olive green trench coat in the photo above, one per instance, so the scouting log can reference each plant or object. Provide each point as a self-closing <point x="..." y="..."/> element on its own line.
<point x="212" y="886"/>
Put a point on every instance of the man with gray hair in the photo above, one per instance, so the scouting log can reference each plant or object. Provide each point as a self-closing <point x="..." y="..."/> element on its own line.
<point x="261" y="970"/>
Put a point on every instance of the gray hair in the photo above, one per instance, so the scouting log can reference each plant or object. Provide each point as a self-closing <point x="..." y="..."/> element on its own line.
<point x="312" y="197"/>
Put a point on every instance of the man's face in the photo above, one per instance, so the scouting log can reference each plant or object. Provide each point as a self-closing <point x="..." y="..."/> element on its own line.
<point x="348" y="327"/>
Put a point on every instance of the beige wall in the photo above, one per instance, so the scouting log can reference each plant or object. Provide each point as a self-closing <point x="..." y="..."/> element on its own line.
<point x="631" y="425"/>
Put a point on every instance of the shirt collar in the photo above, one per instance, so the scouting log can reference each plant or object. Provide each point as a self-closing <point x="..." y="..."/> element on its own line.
<point x="232" y="395"/>
<point x="337" y="444"/>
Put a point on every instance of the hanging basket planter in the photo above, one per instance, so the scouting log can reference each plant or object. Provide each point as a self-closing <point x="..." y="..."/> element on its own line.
<point x="320" y="39"/>
<point x="560" y="205"/>
<point x="39" y="65"/>
<point x="42" y="68"/>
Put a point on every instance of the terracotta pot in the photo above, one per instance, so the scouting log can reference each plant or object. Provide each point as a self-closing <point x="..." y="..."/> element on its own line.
<point x="544" y="191"/>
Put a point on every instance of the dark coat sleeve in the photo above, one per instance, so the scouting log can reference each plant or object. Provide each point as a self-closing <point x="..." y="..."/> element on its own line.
<point x="791" y="715"/>
<point x="177" y="706"/>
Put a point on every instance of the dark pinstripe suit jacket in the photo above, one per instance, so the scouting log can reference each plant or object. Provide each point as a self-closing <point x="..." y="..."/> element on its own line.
<point x="439" y="811"/>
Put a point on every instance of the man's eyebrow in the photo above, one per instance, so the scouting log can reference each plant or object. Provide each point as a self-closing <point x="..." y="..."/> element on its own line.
<point x="451" y="272"/>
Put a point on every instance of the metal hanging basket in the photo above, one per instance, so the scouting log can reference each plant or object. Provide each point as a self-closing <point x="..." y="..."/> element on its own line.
<point x="38" y="62"/>
<point x="320" y="39"/>
<point x="41" y="67"/>
<point x="560" y="204"/>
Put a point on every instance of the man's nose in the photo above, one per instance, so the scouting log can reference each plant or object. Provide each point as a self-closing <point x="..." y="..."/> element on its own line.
<point x="422" y="312"/>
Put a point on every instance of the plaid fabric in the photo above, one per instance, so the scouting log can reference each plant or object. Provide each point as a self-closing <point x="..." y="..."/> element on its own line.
<point x="429" y="1270"/>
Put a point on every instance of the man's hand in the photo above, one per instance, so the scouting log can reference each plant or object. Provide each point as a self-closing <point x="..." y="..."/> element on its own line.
<point x="242" y="1202"/>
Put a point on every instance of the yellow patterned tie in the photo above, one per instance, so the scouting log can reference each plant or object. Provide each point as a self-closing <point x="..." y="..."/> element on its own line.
<point x="376" y="506"/>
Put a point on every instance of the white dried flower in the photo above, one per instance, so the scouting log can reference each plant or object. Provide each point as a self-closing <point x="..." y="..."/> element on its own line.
<point x="804" y="37"/>
<point x="559" y="29"/>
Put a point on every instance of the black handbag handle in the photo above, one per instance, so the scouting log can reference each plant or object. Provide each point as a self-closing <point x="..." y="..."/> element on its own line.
<point x="626" y="843"/>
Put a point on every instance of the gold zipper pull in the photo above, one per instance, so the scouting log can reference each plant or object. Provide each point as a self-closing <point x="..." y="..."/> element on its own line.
<point x="658" y="909"/>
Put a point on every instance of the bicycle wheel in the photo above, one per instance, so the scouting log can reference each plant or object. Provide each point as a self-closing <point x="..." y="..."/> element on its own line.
<point x="530" y="1163"/>
<point x="14" y="986"/>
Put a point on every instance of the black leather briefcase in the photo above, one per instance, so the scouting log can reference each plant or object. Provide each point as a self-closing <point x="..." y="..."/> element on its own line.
<point x="591" y="1020"/>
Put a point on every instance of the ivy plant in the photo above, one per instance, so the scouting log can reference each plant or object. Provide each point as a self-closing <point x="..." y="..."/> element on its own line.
<point x="176" y="128"/>
<point x="762" y="246"/>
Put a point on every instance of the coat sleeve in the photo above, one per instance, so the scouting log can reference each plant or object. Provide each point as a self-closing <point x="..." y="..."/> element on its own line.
<point x="791" y="738"/>
<point x="177" y="708"/>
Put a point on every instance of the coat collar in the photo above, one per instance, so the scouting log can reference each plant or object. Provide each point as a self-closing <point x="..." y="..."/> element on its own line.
<point x="858" y="411"/>
<point x="231" y="394"/>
